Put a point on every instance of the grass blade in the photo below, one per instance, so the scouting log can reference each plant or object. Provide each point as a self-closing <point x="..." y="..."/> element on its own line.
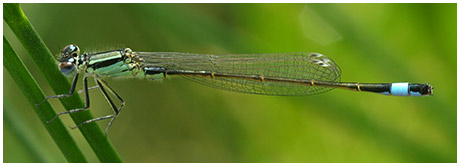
<point x="33" y="94"/>
<point x="44" y="60"/>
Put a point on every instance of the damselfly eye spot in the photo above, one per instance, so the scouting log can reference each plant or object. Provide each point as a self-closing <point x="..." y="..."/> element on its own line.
<point x="315" y="55"/>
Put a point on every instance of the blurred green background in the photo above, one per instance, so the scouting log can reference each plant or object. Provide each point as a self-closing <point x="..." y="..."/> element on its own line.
<point x="179" y="121"/>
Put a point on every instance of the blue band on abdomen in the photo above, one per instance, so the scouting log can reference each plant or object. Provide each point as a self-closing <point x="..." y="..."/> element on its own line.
<point x="400" y="89"/>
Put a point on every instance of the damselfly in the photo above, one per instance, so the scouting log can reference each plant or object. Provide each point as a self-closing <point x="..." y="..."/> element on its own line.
<point x="280" y="74"/>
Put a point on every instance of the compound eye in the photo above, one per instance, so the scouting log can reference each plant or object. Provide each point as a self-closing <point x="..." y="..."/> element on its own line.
<point x="70" y="50"/>
<point x="67" y="67"/>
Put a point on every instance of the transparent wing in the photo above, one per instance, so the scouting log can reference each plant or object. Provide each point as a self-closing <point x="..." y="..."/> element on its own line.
<point x="298" y="66"/>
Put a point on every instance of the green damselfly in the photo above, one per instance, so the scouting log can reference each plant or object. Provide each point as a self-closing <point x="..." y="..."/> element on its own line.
<point x="280" y="74"/>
